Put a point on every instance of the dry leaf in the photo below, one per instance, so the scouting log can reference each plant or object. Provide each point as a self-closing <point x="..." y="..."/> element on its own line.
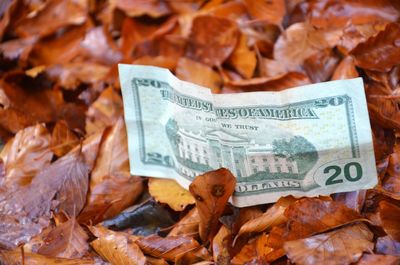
<point x="254" y="252"/>
<point x="220" y="246"/>
<point x="67" y="240"/>
<point x="153" y="8"/>
<point x="112" y="188"/>
<point x="345" y="70"/>
<point x="379" y="53"/>
<point x="386" y="245"/>
<point x="170" y="192"/>
<point x="15" y="257"/>
<point x="105" y="111"/>
<point x="211" y="192"/>
<point x="271" y="11"/>
<point x="342" y="246"/>
<point x="243" y="59"/>
<point x="390" y="217"/>
<point x="117" y="248"/>
<point x="326" y="215"/>
<point x="198" y="73"/>
<point x="188" y="225"/>
<point x="62" y="139"/>
<point x="25" y="155"/>
<point x="320" y="66"/>
<point x="169" y="248"/>
<point x="212" y="39"/>
<point x="272" y="217"/>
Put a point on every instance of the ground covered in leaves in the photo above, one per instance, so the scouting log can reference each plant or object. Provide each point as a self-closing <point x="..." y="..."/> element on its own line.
<point x="66" y="194"/>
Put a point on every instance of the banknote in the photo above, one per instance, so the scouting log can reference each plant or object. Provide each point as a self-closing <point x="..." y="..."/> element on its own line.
<point x="303" y="141"/>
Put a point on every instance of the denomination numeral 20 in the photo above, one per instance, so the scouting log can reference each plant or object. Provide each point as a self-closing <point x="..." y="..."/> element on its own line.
<point x="349" y="174"/>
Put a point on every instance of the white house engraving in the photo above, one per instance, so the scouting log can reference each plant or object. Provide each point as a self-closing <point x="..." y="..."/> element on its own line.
<point x="217" y="148"/>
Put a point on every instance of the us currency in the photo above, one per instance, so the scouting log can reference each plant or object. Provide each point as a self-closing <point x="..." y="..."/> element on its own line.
<point x="304" y="141"/>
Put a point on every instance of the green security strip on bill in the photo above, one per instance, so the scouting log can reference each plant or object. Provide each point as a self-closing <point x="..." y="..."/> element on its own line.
<point x="304" y="141"/>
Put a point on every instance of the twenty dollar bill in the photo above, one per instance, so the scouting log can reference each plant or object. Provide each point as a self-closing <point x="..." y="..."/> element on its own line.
<point x="304" y="141"/>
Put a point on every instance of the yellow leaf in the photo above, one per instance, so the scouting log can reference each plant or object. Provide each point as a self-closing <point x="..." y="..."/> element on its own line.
<point x="169" y="192"/>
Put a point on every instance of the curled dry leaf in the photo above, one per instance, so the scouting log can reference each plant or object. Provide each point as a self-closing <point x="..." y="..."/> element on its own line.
<point x="62" y="139"/>
<point x="390" y="217"/>
<point x="170" y="192"/>
<point x="188" y="225"/>
<point x="354" y="200"/>
<point x="212" y="191"/>
<point x="198" y="73"/>
<point x="105" y="111"/>
<point x="112" y="188"/>
<point x="118" y="248"/>
<point x="15" y="257"/>
<point x="320" y="66"/>
<point x="342" y="246"/>
<point x="381" y="52"/>
<point x="68" y="240"/>
<point x="326" y="215"/>
<point x="272" y="217"/>
<point x="169" y="248"/>
<point x="212" y="39"/>
<point x="372" y="259"/>
<point x="25" y="155"/>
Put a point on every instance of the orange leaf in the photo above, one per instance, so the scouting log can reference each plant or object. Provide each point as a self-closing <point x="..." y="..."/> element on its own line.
<point x="346" y="69"/>
<point x="212" y="39"/>
<point x="62" y="139"/>
<point x="342" y="246"/>
<point x="390" y="218"/>
<point x="220" y="246"/>
<point x="372" y="259"/>
<point x="212" y="191"/>
<point x="271" y="11"/>
<point x="243" y="59"/>
<point x="254" y="252"/>
<point x="134" y="8"/>
<point x="188" y="225"/>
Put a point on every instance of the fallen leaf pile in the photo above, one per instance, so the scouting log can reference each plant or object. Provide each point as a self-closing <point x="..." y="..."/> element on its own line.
<point x="66" y="194"/>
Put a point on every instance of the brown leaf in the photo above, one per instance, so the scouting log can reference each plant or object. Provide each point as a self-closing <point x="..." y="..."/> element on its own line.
<point x="220" y="246"/>
<point x="212" y="39"/>
<point x="43" y="23"/>
<point x="255" y="251"/>
<point x="372" y="259"/>
<point x="112" y="188"/>
<point x="354" y="200"/>
<point x="211" y="192"/>
<point x="117" y="247"/>
<point x="170" y="192"/>
<point x="342" y="246"/>
<point x="25" y="212"/>
<point x="169" y="248"/>
<point x="391" y="180"/>
<point x="379" y="53"/>
<point x="67" y="240"/>
<point x="198" y="73"/>
<point x="15" y="257"/>
<point x="326" y="215"/>
<point x="330" y="13"/>
<point x="62" y="139"/>
<point x="320" y="66"/>
<point x="25" y="155"/>
<point x="243" y="59"/>
<point x="300" y="41"/>
<point x="105" y="111"/>
<point x="268" y="11"/>
<point x="188" y="225"/>
<point x="345" y="70"/>
<point x="390" y="218"/>
<point x="272" y="217"/>
<point x="386" y="245"/>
